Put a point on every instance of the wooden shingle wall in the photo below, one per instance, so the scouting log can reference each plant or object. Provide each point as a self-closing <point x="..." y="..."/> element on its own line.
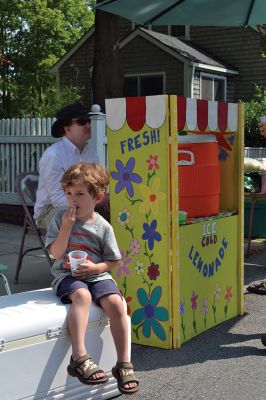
<point x="75" y="71"/>
<point x="230" y="86"/>
<point x="152" y="59"/>
<point x="239" y="47"/>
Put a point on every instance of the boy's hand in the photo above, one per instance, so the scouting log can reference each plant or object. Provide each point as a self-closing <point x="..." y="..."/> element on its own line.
<point x="86" y="269"/>
<point x="69" y="217"/>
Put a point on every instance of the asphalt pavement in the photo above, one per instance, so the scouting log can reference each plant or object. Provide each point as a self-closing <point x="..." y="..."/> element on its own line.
<point x="227" y="362"/>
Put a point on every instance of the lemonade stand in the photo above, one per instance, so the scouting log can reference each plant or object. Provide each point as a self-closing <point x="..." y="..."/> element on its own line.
<point x="179" y="277"/>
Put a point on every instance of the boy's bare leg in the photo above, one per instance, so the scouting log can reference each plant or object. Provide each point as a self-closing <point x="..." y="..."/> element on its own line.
<point x="114" y="308"/>
<point x="77" y="320"/>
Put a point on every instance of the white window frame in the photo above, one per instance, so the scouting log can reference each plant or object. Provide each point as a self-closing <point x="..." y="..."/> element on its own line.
<point x="163" y="74"/>
<point x="218" y="77"/>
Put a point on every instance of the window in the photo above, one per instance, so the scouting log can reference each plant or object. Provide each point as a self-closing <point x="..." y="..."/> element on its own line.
<point x="212" y="87"/>
<point x="144" y="85"/>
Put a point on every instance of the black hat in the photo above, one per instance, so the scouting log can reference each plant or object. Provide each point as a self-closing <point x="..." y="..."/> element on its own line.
<point x="64" y="117"/>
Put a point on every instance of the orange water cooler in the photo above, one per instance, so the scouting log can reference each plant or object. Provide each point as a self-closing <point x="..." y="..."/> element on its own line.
<point x="199" y="175"/>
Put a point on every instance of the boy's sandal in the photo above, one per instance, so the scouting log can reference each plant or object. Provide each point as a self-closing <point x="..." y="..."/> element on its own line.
<point x="123" y="372"/>
<point x="83" y="368"/>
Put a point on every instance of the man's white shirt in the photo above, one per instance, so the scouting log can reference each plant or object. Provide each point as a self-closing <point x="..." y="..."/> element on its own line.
<point x="53" y="163"/>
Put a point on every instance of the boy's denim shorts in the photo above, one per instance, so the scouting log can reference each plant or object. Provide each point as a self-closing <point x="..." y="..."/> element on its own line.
<point x="97" y="289"/>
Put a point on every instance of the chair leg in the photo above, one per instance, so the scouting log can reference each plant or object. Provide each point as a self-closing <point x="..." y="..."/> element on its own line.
<point x="5" y="283"/>
<point x="20" y="254"/>
<point x="43" y="246"/>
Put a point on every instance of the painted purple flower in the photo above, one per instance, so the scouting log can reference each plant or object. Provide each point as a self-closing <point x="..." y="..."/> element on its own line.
<point x="151" y="234"/>
<point x="122" y="265"/>
<point x="125" y="176"/>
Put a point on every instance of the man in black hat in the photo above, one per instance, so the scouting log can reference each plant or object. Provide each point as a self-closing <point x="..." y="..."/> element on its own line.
<point x="73" y="127"/>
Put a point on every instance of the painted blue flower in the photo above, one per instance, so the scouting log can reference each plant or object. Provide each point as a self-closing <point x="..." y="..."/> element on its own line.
<point x="223" y="155"/>
<point x="125" y="176"/>
<point x="151" y="234"/>
<point x="182" y="308"/>
<point x="149" y="314"/>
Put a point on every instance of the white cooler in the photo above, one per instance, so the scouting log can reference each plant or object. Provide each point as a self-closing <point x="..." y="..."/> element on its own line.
<point x="35" y="349"/>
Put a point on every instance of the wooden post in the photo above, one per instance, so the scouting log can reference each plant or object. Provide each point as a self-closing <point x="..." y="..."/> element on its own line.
<point x="98" y="139"/>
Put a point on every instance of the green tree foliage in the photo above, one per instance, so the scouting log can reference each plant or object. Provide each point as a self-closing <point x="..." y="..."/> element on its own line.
<point x="34" y="34"/>
<point x="253" y="112"/>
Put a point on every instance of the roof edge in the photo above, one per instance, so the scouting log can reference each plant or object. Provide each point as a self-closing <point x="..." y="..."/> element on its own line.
<point x="72" y="50"/>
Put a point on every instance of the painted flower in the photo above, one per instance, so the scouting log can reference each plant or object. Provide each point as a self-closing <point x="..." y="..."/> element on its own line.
<point x="123" y="217"/>
<point x="194" y="300"/>
<point x="152" y="197"/>
<point x="205" y="310"/>
<point x="194" y="306"/>
<point x="128" y="299"/>
<point x="182" y="313"/>
<point x="149" y="314"/>
<point x="227" y="297"/>
<point x="122" y="265"/>
<point x="134" y="246"/>
<point x="204" y="307"/>
<point x="125" y="176"/>
<point x="217" y="292"/>
<point x="216" y="296"/>
<point x="153" y="271"/>
<point x="228" y="294"/>
<point x="151" y="234"/>
<point x="139" y="268"/>
<point x="182" y="308"/>
<point x="152" y="162"/>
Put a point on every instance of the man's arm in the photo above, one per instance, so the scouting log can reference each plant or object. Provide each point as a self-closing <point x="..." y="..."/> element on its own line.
<point x="51" y="172"/>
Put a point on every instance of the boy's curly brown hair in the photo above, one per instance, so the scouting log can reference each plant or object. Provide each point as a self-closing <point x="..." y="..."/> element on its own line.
<point x="94" y="176"/>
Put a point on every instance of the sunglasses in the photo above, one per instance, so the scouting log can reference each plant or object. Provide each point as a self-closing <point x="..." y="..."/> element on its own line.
<point x="81" y="121"/>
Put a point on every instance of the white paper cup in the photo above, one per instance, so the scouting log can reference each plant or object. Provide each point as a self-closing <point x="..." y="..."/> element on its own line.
<point x="76" y="257"/>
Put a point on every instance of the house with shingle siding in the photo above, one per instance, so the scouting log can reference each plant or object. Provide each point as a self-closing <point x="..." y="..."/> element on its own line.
<point x="200" y="62"/>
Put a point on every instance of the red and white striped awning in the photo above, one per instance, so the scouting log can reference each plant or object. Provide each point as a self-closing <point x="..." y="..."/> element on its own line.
<point x="203" y="115"/>
<point x="192" y="114"/>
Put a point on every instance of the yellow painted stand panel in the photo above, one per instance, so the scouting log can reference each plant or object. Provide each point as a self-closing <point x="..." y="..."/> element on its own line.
<point x="209" y="290"/>
<point x="140" y="201"/>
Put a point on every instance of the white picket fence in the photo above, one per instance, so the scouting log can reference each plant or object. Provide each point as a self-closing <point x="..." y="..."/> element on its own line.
<point x="255" y="152"/>
<point x="22" y="143"/>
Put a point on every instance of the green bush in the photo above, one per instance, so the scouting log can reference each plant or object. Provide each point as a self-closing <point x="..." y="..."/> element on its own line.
<point x="54" y="100"/>
<point x="253" y="112"/>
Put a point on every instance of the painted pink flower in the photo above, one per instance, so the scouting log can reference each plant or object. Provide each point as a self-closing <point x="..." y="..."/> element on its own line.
<point x="194" y="300"/>
<point x="122" y="265"/>
<point x="134" y="246"/>
<point x="228" y="294"/>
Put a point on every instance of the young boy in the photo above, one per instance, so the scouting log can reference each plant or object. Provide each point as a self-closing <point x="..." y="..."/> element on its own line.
<point x="81" y="227"/>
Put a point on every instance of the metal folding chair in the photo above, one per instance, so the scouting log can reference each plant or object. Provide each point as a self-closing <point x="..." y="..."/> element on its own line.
<point x="4" y="278"/>
<point x="26" y="185"/>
